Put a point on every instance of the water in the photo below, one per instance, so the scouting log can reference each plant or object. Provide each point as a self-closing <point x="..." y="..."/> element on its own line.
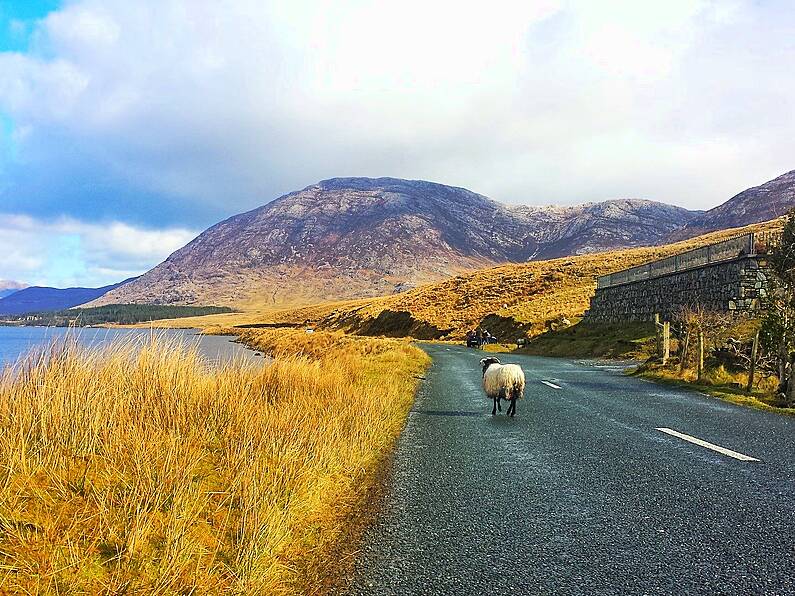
<point x="18" y="341"/>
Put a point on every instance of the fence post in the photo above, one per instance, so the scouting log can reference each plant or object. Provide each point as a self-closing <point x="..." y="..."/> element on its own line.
<point x="666" y="342"/>
<point x="658" y="338"/>
<point x="752" y="369"/>
<point x="700" y="355"/>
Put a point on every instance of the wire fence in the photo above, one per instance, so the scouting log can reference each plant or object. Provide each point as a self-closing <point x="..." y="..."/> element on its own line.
<point x="755" y="243"/>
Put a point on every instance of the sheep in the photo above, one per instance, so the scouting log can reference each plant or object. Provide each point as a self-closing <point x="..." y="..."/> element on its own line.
<point x="502" y="381"/>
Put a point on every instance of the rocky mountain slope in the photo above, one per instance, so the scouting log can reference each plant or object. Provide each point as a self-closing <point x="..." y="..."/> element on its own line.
<point x="760" y="203"/>
<point x="355" y="237"/>
<point x="597" y="227"/>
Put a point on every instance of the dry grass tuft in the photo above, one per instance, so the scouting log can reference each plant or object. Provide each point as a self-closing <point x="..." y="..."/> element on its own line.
<point x="144" y="470"/>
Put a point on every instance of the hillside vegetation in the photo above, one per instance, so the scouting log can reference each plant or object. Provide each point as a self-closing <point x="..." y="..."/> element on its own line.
<point x="631" y="341"/>
<point x="149" y="472"/>
<point x="511" y="300"/>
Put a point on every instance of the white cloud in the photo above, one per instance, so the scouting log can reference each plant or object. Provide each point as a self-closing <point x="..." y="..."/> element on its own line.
<point x="67" y="252"/>
<point x="220" y="105"/>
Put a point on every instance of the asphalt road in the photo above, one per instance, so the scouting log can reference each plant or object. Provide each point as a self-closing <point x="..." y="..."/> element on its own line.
<point x="580" y="493"/>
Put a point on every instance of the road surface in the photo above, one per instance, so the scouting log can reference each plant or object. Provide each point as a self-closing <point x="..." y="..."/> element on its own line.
<point x="596" y="487"/>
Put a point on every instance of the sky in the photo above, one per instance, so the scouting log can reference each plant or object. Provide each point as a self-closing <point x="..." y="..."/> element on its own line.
<point x="126" y="128"/>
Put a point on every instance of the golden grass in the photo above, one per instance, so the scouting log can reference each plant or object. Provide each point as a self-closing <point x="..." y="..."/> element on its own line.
<point x="223" y="320"/>
<point x="723" y="384"/>
<point x="328" y="345"/>
<point x="525" y="296"/>
<point x="144" y="470"/>
<point x="529" y="293"/>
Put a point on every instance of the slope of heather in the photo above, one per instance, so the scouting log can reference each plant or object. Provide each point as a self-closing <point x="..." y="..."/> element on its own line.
<point x="760" y="203"/>
<point x="511" y="300"/>
<point x="360" y="237"/>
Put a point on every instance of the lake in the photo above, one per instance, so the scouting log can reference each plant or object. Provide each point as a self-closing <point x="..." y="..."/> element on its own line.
<point x="18" y="341"/>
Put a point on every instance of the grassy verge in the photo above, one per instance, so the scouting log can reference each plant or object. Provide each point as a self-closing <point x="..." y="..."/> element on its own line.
<point x="146" y="471"/>
<point x="718" y="382"/>
<point x="633" y="341"/>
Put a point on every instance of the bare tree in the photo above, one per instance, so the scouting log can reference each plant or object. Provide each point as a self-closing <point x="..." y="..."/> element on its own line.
<point x="759" y="362"/>
<point x="701" y="329"/>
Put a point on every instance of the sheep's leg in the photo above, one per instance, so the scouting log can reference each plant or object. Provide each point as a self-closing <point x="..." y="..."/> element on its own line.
<point x="512" y="409"/>
<point x="494" y="409"/>
<point x="499" y="404"/>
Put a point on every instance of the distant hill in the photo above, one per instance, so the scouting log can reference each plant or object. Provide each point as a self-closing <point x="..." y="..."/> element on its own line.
<point x="359" y="237"/>
<point x="8" y="287"/>
<point x="43" y="299"/>
<point x="760" y="203"/>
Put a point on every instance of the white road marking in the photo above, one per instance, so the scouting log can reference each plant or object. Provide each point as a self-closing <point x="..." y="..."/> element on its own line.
<point x="706" y="444"/>
<point x="548" y="384"/>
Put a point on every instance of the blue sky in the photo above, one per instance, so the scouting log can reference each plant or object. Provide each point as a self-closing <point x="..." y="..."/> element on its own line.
<point x="157" y="118"/>
<point x="17" y="20"/>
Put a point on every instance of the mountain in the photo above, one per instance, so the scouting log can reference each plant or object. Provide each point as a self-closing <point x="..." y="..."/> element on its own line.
<point x="754" y="205"/>
<point x="598" y="227"/>
<point x="355" y="237"/>
<point x="8" y="287"/>
<point x="42" y="299"/>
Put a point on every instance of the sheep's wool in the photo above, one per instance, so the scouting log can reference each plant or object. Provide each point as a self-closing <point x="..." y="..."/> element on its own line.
<point x="500" y="380"/>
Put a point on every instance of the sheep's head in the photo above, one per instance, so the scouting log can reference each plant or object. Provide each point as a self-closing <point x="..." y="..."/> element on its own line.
<point x="487" y="362"/>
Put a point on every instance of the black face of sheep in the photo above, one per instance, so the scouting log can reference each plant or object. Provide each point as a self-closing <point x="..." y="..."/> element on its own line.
<point x="487" y="362"/>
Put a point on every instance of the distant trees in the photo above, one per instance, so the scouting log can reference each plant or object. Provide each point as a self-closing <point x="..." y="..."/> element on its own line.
<point x="123" y="314"/>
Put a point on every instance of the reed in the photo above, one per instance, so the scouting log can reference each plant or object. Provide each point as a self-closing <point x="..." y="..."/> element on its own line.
<point x="144" y="469"/>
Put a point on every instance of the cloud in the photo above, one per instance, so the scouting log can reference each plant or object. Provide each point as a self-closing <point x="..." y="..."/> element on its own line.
<point x="181" y="112"/>
<point x="67" y="252"/>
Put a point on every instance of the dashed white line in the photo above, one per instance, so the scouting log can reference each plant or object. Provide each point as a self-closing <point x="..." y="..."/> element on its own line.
<point x="707" y="445"/>
<point x="548" y="384"/>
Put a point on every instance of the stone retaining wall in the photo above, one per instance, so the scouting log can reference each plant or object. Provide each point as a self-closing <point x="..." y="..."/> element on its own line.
<point x="738" y="286"/>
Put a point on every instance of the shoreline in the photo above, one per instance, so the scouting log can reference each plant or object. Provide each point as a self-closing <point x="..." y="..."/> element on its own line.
<point x="16" y="342"/>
